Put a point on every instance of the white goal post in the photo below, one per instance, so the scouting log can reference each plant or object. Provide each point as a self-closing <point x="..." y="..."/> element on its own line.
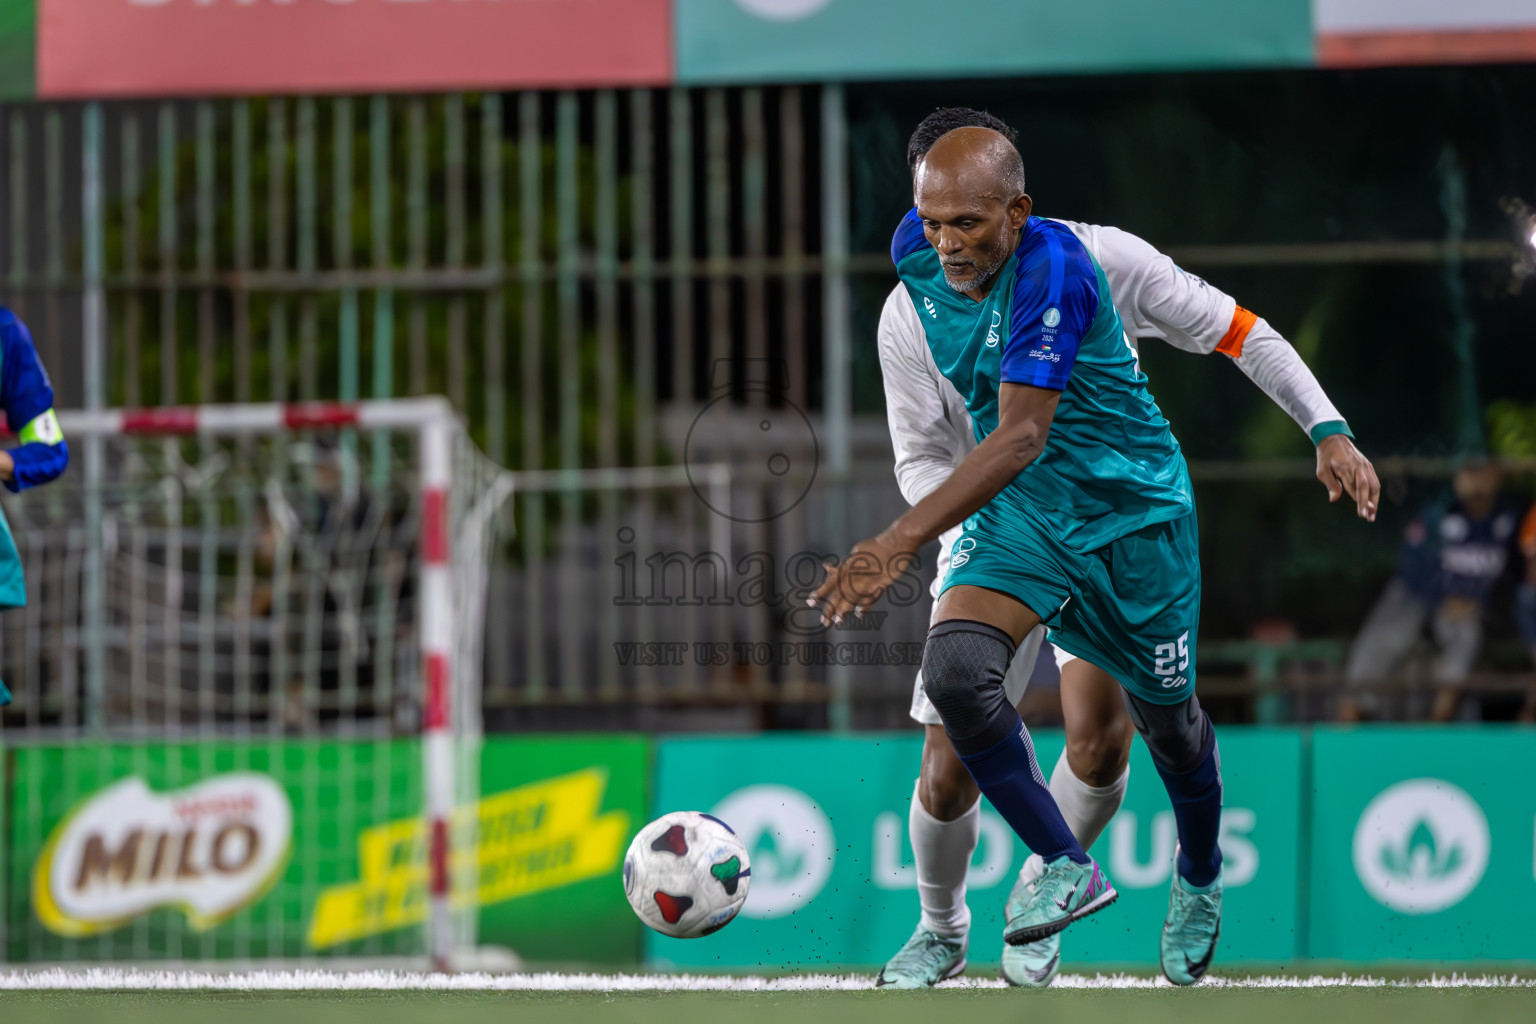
<point x="137" y="556"/>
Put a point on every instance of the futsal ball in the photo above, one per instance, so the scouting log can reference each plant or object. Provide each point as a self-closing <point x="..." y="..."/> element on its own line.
<point x="686" y="874"/>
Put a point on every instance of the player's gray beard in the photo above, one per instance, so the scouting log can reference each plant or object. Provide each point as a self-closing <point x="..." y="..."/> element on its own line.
<point x="983" y="275"/>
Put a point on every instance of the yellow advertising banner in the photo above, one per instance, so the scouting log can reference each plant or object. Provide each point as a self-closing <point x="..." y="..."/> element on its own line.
<point x="539" y="836"/>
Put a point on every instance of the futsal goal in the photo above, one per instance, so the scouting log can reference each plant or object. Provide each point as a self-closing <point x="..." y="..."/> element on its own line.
<point x="247" y="686"/>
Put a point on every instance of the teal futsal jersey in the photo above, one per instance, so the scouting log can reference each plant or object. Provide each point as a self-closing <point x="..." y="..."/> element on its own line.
<point x="1111" y="465"/>
<point x="1097" y="536"/>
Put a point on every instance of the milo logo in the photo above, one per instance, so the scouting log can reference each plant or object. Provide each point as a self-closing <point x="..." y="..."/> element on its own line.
<point x="208" y="850"/>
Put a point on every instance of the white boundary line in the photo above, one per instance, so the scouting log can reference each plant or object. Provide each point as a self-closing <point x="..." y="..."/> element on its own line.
<point x="75" y="979"/>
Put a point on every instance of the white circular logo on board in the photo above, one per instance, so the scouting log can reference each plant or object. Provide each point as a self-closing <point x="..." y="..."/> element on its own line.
<point x="789" y="841"/>
<point x="1421" y="846"/>
<point x="782" y="10"/>
<point x="1052" y="317"/>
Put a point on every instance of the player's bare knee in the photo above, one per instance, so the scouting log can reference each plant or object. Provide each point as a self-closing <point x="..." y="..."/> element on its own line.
<point x="1099" y="757"/>
<point x="948" y="790"/>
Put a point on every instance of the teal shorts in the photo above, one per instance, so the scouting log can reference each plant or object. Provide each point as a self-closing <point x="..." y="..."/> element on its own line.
<point x="1131" y="607"/>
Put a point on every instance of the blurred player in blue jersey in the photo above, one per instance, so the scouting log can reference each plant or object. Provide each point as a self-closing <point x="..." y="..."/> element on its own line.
<point x="26" y="398"/>
<point x="1077" y="511"/>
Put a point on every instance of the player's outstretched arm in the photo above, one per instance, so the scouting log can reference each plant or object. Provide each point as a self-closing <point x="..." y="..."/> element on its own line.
<point x="1024" y="422"/>
<point x="1162" y="300"/>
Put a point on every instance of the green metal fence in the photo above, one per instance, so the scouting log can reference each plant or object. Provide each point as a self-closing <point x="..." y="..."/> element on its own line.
<point x="335" y="247"/>
<point x="581" y="273"/>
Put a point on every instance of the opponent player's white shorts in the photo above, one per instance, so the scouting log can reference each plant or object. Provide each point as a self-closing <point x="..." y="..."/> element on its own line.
<point x="1015" y="682"/>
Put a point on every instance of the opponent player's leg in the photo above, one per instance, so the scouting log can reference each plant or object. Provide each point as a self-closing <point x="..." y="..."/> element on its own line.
<point x="964" y="663"/>
<point x="1088" y="782"/>
<point x="944" y="824"/>
<point x="1091" y="775"/>
<point x="1098" y="751"/>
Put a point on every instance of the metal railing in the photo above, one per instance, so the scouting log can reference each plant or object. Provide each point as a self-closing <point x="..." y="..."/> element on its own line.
<point x="572" y="269"/>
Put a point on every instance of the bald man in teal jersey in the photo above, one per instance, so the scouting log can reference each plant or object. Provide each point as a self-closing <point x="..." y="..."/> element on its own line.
<point x="1077" y="512"/>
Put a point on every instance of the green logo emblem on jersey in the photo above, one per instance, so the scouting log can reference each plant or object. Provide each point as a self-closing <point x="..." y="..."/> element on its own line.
<point x="1052" y="317"/>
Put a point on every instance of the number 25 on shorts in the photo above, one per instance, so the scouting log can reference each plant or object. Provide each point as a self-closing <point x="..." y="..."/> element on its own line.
<point x="1170" y="660"/>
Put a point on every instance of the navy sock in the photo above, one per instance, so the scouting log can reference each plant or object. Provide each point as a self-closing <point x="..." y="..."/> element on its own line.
<point x="1009" y="775"/>
<point x="1196" y="796"/>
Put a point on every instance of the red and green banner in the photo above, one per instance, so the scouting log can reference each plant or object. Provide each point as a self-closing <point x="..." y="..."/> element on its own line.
<point x="107" y="48"/>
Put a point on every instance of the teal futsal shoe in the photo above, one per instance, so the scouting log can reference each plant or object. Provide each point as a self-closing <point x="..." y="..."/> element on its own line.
<point x="927" y="959"/>
<point x="1190" y="931"/>
<point x="1064" y="892"/>
<point x="1034" y="964"/>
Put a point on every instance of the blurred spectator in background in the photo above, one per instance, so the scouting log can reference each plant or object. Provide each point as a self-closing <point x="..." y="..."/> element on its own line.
<point x="1525" y="604"/>
<point x="1453" y="553"/>
<point x="331" y="582"/>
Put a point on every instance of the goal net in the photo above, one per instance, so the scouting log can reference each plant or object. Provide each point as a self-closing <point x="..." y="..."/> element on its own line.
<point x="247" y="686"/>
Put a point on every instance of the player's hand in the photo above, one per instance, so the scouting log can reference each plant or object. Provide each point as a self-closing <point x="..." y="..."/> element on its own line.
<point x="1343" y="470"/>
<point x="859" y="580"/>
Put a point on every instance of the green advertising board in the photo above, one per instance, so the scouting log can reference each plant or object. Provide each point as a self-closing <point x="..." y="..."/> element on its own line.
<point x="839" y="40"/>
<point x="824" y="820"/>
<point x="568" y="903"/>
<point x="1422" y="844"/>
<point x="186" y="851"/>
<point x="304" y="848"/>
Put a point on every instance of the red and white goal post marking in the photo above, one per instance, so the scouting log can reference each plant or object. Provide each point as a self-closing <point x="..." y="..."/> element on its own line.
<point x="436" y="427"/>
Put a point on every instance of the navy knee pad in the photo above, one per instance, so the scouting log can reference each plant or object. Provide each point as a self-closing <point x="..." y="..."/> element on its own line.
<point x="1177" y="735"/>
<point x="963" y="667"/>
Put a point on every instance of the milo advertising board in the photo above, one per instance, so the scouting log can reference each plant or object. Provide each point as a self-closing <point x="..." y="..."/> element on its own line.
<point x="833" y="881"/>
<point x="289" y="849"/>
<point x="211" y="849"/>
<point x="190" y="850"/>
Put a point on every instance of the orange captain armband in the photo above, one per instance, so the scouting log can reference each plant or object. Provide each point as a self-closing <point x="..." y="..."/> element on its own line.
<point x="1231" y="343"/>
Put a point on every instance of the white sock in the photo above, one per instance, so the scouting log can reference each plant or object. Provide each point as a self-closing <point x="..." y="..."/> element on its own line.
<point x="1087" y="809"/>
<point x="943" y="852"/>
